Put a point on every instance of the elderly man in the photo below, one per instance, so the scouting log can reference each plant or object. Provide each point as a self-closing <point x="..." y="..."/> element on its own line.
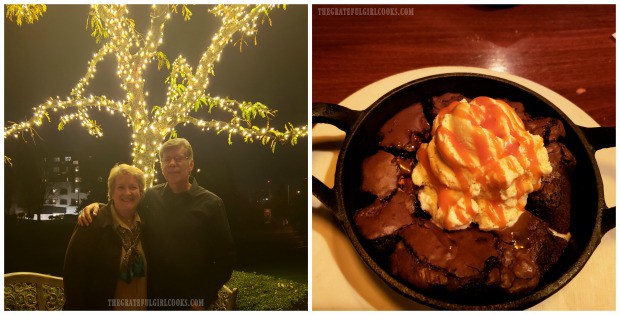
<point x="186" y="236"/>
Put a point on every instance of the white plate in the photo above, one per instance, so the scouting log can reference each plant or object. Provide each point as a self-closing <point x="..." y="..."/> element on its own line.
<point x="342" y="281"/>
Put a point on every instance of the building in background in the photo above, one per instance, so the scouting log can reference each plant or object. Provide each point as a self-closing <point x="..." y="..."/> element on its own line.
<point x="63" y="187"/>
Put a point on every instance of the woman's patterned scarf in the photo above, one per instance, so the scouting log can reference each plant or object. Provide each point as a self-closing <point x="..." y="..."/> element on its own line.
<point x="132" y="264"/>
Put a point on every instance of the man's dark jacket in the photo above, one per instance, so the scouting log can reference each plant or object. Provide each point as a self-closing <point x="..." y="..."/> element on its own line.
<point x="187" y="243"/>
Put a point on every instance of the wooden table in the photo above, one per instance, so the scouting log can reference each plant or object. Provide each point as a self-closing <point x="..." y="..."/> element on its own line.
<point x="568" y="49"/>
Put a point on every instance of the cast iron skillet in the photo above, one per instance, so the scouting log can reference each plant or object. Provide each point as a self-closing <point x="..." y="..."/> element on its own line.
<point x="590" y="217"/>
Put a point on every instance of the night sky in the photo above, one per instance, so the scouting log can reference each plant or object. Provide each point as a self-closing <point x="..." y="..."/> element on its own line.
<point x="47" y="58"/>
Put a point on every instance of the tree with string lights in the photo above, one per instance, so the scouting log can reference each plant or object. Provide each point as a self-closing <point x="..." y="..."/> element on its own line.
<point x="186" y="87"/>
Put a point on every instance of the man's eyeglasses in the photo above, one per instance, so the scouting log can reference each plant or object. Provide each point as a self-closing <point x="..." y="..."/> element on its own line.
<point x="177" y="159"/>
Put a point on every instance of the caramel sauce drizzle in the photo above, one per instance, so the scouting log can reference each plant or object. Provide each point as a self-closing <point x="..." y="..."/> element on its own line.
<point x="502" y="134"/>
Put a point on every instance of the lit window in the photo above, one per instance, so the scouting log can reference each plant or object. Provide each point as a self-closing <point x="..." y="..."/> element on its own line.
<point x="67" y="158"/>
<point x="78" y="179"/>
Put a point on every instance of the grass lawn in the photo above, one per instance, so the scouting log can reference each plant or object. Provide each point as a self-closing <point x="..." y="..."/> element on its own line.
<point x="261" y="292"/>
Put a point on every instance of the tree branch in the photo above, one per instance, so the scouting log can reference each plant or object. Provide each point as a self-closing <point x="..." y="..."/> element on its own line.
<point x="267" y="136"/>
<point x="235" y="18"/>
<point x="77" y="91"/>
<point x="81" y="106"/>
<point x="154" y="38"/>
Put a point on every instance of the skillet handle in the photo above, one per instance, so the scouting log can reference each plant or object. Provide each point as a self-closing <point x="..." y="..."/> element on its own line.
<point x="328" y="197"/>
<point x="608" y="221"/>
<point x="344" y="119"/>
<point x="333" y="114"/>
<point x="600" y="137"/>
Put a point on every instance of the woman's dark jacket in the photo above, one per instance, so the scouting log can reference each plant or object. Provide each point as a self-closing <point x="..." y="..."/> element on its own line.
<point x="92" y="264"/>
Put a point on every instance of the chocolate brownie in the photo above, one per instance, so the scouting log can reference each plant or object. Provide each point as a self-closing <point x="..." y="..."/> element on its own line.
<point x="550" y="129"/>
<point x="528" y="249"/>
<point x="511" y="260"/>
<point x="380" y="174"/>
<point x="406" y="130"/>
<point x="519" y="109"/>
<point x="445" y="100"/>
<point x="384" y="218"/>
<point x="552" y="202"/>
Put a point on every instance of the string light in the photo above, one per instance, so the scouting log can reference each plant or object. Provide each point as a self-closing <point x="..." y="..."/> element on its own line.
<point x="185" y="92"/>
<point x="25" y="12"/>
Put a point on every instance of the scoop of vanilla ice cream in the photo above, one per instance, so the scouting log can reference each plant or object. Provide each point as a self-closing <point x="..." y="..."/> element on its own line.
<point x="479" y="166"/>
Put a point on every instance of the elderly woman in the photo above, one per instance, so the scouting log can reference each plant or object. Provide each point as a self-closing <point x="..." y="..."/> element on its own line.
<point x="105" y="266"/>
